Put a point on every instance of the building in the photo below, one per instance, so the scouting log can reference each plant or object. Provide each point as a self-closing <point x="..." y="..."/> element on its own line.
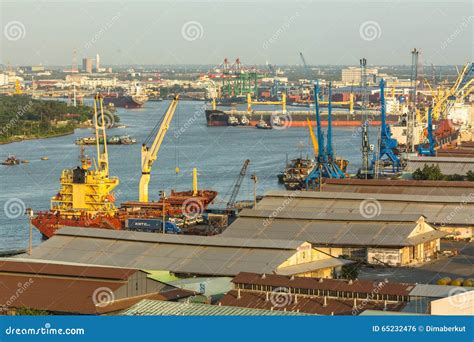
<point x="188" y="255"/>
<point x="60" y="288"/>
<point x="97" y="63"/>
<point x="161" y="308"/>
<point x="459" y="304"/>
<point x="87" y="65"/>
<point x="353" y="75"/>
<point x="448" y="164"/>
<point x="315" y="296"/>
<point x="451" y="214"/>
<point x="399" y="187"/>
<point x="395" y="240"/>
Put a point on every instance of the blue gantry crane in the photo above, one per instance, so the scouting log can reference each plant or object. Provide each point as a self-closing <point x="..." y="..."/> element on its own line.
<point x="430" y="149"/>
<point x="387" y="145"/>
<point x="326" y="165"/>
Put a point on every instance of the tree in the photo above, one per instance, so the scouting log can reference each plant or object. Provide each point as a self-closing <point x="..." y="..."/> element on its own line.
<point x="350" y="271"/>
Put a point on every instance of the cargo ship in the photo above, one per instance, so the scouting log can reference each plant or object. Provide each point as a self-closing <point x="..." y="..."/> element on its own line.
<point x="130" y="99"/>
<point x="216" y="117"/>
<point x="86" y="197"/>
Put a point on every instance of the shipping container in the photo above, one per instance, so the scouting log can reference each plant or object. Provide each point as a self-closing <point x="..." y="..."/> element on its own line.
<point x="151" y="225"/>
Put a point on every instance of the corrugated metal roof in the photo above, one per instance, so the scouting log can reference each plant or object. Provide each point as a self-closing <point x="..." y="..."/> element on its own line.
<point x="437" y="291"/>
<point x="189" y="240"/>
<point x="437" y="209"/>
<point x="447" y="165"/>
<point x="102" y="248"/>
<point x="161" y="308"/>
<point x="326" y="232"/>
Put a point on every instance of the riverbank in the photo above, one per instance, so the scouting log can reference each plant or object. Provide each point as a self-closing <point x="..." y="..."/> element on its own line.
<point x="36" y="136"/>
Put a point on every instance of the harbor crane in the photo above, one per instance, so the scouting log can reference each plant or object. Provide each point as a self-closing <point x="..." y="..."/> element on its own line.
<point x="387" y="144"/>
<point x="237" y="185"/>
<point x="326" y="165"/>
<point x="430" y="149"/>
<point x="149" y="153"/>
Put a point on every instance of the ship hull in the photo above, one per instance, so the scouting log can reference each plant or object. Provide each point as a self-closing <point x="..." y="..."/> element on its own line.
<point x="293" y="119"/>
<point x="125" y="101"/>
<point x="178" y="203"/>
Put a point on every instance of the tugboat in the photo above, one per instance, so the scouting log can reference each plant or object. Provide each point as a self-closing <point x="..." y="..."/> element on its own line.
<point x="262" y="124"/>
<point x="233" y="121"/>
<point x="11" y="160"/>
<point x="296" y="172"/>
<point x="244" y="121"/>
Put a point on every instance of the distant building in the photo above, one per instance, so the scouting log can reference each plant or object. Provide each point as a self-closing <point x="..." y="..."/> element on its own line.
<point x="97" y="63"/>
<point x="352" y="75"/>
<point x="87" y="65"/>
<point x="3" y="79"/>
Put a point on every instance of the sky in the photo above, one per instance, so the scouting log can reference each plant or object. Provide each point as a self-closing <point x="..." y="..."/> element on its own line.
<point x="205" y="32"/>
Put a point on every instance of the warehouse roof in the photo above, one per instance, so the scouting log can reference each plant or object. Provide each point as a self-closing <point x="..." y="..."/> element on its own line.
<point x="330" y="232"/>
<point x="439" y="210"/>
<point x="437" y="291"/>
<point x="71" y="289"/>
<point x="161" y="308"/>
<point x="399" y="186"/>
<point x="447" y="165"/>
<point x="159" y="252"/>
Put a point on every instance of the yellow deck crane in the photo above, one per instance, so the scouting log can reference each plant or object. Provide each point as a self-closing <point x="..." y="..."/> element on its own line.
<point x="149" y="154"/>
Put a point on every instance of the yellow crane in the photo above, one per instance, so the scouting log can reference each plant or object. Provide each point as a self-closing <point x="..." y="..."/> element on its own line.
<point x="149" y="154"/>
<point x="313" y="138"/>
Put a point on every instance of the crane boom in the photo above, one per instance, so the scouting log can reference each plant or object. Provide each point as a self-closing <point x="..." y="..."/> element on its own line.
<point x="149" y="154"/>
<point x="237" y="184"/>
<point x="313" y="138"/>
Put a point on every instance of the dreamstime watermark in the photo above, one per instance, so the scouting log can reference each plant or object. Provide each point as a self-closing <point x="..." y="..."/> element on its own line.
<point x="103" y="296"/>
<point x="47" y="329"/>
<point x="281" y="121"/>
<point x="376" y="290"/>
<point x="19" y="114"/>
<point x="461" y="27"/>
<point x="197" y="113"/>
<point x="192" y="30"/>
<point x="280" y="297"/>
<point x="282" y="29"/>
<point x="279" y="209"/>
<point x="14" y="208"/>
<point x="192" y="208"/>
<point x="22" y="287"/>
<point x="457" y="209"/>
<point x="107" y="26"/>
<point x="458" y="297"/>
<point x="370" y="30"/>
<point x="14" y="30"/>
<point x="370" y="208"/>
<point x="108" y="119"/>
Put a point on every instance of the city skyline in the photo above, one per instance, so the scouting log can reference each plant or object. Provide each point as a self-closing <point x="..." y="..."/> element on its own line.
<point x="204" y="33"/>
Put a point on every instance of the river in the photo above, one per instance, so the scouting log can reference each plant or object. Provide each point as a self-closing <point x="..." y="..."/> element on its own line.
<point x="217" y="152"/>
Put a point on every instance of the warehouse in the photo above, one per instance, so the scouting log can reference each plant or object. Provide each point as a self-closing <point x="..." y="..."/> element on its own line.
<point x="315" y="296"/>
<point x="386" y="239"/>
<point x="398" y="186"/>
<point x="452" y="214"/>
<point x="448" y="165"/>
<point x="187" y="255"/>
<point x="56" y="288"/>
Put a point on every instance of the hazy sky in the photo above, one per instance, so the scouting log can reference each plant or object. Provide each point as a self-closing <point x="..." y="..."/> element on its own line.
<point x="204" y="32"/>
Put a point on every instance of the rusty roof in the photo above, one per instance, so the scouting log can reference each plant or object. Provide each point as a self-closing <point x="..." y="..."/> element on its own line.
<point x="360" y="286"/>
<point x="65" y="270"/>
<point x="305" y="304"/>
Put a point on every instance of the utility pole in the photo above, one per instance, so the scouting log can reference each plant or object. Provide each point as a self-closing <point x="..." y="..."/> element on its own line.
<point x="410" y="146"/>
<point x="365" y="130"/>
<point x="255" y="181"/>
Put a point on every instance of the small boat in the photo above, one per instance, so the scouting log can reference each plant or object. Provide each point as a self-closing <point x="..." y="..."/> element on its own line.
<point x="25" y="161"/>
<point x="263" y="125"/>
<point x="244" y="121"/>
<point x="127" y="140"/>
<point x="11" y="160"/>
<point x="44" y="158"/>
<point x="276" y="122"/>
<point x="233" y="121"/>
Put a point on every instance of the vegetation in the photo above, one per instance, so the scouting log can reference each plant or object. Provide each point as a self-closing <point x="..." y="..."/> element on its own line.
<point x="31" y="312"/>
<point x="433" y="172"/>
<point x="350" y="271"/>
<point x="24" y="118"/>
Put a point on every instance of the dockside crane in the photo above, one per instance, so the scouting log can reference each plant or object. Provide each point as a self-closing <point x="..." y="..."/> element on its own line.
<point x="149" y="153"/>
<point x="430" y="149"/>
<point x="326" y="165"/>
<point x="388" y="145"/>
<point x="237" y="185"/>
